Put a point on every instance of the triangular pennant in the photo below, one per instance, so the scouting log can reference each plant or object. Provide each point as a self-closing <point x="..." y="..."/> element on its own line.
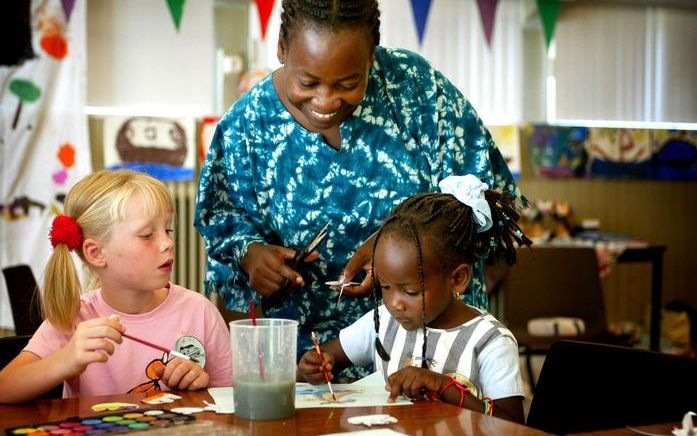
<point x="68" y="8"/>
<point x="176" y="8"/>
<point x="265" y="7"/>
<point x="420" y="9"/>
<point x="549" y="10"/>
<point x="487" y="13"/>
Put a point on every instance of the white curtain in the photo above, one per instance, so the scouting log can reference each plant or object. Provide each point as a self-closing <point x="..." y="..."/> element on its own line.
<point x="33" y="166"/>
<point x="630" y="62"/>
<point x="453" y="42"/>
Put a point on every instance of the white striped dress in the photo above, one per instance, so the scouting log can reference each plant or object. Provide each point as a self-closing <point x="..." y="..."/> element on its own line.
<point x="482" y="350"/>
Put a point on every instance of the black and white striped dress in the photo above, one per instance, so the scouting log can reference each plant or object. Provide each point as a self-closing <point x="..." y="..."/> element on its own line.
<point x="482" y="350"/>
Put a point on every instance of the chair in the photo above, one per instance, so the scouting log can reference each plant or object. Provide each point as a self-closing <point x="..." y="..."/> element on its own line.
<point x="586" y="387"/>
<point x="21" y="288"/>
<point x="10" y="347"/>
<point x="554" y="282"/>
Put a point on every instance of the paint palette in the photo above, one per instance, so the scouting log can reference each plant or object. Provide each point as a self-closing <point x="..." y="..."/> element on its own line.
<point x="115" y="422"/>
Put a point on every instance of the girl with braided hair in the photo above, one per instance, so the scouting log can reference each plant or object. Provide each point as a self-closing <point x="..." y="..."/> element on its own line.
<point x="342" y="132"/>
<point x="119" y="223"/>
<point x="424" y="340"/>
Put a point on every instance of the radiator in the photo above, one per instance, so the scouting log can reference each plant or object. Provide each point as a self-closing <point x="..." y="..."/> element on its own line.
<point x="190" y="255"/>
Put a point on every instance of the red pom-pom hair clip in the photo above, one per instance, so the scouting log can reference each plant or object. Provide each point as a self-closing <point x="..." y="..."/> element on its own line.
<point x="65" y="230"/>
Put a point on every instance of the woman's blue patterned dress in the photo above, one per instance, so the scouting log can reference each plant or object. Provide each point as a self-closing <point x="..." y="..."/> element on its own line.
<point x="268" y="179"/>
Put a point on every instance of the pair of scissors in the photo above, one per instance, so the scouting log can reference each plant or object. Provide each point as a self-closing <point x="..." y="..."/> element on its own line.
<point x="317" y="238"/>
<point x="297" y="260"/>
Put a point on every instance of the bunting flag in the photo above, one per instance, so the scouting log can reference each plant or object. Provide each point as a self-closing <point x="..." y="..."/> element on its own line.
<point x="176" y="8"/>
<point x="265" y="7"/>
<point x="487" y="13"/>
<point x="549" y="10"/>
<point x="68" y="8"/>
<point x="420" y="9"/>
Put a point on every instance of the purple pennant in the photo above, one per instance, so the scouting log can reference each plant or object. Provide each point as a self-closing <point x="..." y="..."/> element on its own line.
<point x="68" y="8"/>
<point x="420" y="9"/>
<point x="487" y="12"/>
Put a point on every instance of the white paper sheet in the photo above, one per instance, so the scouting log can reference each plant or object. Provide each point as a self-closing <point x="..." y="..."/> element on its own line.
<point x="347" y="395"/>
<point x="368" y="393"/>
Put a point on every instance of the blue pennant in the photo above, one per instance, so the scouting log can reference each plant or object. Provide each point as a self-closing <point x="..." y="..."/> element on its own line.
<point x="420" y="9"/>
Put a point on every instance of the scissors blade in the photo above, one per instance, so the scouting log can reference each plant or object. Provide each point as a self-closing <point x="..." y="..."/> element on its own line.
<point x="319" y="238"/>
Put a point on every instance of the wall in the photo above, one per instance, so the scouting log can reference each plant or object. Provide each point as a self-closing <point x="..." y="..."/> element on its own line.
<point x="137" y="59"/>
<point x="663" y="213"/>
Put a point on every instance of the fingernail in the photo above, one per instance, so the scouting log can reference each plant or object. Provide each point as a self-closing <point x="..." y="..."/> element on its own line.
<point x="341" y="279"/>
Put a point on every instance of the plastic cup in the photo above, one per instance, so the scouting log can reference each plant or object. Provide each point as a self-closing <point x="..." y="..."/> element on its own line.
<point x="263" y="367"/>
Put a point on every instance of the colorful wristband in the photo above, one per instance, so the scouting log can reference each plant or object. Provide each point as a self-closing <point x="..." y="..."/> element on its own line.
<point x="463" y="389"/>
<point x="488" y="406"/>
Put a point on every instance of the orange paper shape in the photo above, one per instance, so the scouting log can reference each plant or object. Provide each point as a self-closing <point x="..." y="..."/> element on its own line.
<point x="54" y="45"/>
<point x="66" y="154"/>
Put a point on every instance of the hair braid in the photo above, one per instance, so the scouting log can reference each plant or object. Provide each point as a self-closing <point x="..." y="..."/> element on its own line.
<point x="422" y="283"/>
<point x="332" y="14"/>
<point x="379" y="348"/>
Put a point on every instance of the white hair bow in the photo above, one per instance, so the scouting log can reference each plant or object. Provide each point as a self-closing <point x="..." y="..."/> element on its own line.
<point x="470" y="191"/>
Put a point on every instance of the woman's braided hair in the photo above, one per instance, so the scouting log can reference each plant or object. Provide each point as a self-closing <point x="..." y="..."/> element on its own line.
<point x="331" y="14"/>
<point x="446" y="226"/>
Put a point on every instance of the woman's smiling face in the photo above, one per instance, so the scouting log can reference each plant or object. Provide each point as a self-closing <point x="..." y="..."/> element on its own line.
<point x="325" y="74"/>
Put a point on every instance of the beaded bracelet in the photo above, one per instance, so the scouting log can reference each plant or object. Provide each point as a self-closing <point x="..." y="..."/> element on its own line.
<point x="488" y="406"/>
<point x="463" y="389"/>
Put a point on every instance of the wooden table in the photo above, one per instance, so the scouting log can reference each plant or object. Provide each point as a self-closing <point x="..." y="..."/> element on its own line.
<point x="655" y="429"/>
<point x="654" y="255"/>
<point x="422" y="418"/>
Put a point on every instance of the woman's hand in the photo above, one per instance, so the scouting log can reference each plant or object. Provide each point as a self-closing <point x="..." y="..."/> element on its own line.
<point x="413" y="383"/>
<point x="361" y="259"/>
<point x="183" y="374"/>
<point x="266" y="266"/>
<point x="311" y="367"/>
<point x="93" y="341"/>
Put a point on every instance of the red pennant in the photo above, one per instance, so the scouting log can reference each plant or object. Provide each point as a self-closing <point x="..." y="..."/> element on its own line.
<point x="264" y="7"/>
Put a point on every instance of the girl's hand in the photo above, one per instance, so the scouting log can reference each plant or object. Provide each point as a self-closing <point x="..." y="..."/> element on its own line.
<point x="182" y="374"/>
<point x="267" y="269"/>
<point x="311" y="368"/>
<point x="362" y="258"/>
<point x="413" y="383"/>
<point x="93" y="341"/>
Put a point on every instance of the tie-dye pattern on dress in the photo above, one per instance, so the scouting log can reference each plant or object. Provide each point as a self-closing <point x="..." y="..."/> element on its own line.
<point x="268" y="179"/>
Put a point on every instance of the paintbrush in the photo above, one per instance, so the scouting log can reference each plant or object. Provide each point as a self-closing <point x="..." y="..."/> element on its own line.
<point x="158" y="347"/>
<point x="253" y="315"/>
<point x="319" y="353"/>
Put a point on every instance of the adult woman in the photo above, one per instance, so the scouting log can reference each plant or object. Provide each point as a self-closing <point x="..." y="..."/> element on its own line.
<point x="342" y="132"/>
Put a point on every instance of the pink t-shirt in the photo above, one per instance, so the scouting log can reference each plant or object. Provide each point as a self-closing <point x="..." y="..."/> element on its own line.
<point x="184" y="316"/>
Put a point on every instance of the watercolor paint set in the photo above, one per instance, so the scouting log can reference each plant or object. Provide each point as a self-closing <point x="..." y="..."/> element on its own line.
<point x="126" y="421"/>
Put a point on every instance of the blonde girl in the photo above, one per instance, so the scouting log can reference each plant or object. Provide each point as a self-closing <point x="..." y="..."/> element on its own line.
<point x="119" y="223"/>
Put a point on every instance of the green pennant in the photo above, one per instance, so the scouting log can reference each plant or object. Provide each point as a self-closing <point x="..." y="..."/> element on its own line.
<point x="549" y="10"/>
<point x="176" y="8"/>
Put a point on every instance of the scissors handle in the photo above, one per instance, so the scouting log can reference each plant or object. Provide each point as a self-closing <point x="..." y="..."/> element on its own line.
<point x="298" y="259"/>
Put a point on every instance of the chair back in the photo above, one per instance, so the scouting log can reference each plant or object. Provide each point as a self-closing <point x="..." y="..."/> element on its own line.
<point x="10" y="347"/>
<point x="24" y="302"/>
<point x="554" y="282"/>
<point x="590" y="386"/>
